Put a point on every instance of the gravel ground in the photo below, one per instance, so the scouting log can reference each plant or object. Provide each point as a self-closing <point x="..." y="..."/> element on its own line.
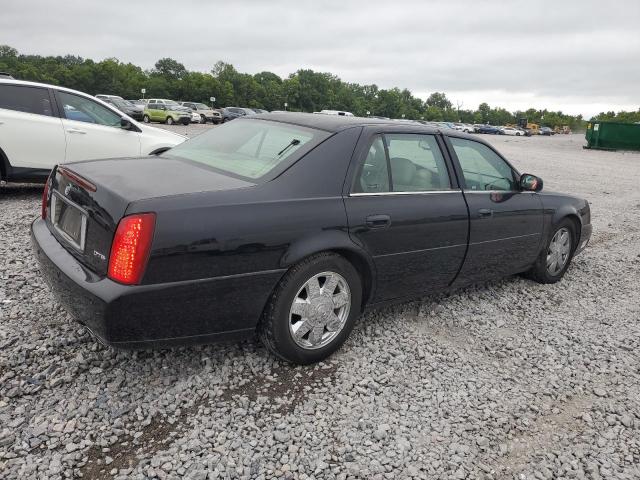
<point x="505" y="380"/>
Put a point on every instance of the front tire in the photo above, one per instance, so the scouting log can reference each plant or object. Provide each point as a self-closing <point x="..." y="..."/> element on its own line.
<point x="203" y="119"/>
<point x="555" y="257"/>
<point x="146" y="119"/>
<point x="170" y="121"/>
<point x="312" y="310"/>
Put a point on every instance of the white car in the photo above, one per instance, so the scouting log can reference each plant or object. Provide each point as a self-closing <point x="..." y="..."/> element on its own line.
<point x="511" y="131"/>
<point x="195" y="117"/>
<point x="42" y="125"/>
<point x="465" y="127"/>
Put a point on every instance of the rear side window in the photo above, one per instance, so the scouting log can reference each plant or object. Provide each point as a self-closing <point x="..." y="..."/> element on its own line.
<point x="25" y="99"/>
<point x="409" y="163"/>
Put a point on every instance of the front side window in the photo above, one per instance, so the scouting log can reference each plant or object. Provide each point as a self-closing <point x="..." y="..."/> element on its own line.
<point x="415" y="161"/>
<point x="482" y="168"/>
<point x="83" y="109"/>
<point x="248" y="148"/>
<point x="25" y="99"/>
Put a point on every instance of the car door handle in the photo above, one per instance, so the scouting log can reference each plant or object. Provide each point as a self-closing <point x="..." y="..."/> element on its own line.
<point x="378" y="221"/>
<point x="75" y="130"/>
<point x="485" y="212"/>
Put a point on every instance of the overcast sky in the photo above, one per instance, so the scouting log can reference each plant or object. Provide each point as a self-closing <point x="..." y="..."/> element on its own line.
<point x="578" y="56"/>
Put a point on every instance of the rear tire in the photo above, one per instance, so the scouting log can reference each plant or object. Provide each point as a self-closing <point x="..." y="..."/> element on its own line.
<point x="327" y="292"/>
<point x="146" y="119"/>
<point x="203" y="119"/>
<point x="555" y="257"/>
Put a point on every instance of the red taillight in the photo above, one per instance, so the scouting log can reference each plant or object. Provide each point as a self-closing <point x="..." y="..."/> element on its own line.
<point x="45" y="198"/>
<point x="130" y="248"/>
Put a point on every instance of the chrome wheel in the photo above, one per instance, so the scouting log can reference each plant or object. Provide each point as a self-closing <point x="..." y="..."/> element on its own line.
<point x="320" y="310"/>
<point x="559" y="251"/>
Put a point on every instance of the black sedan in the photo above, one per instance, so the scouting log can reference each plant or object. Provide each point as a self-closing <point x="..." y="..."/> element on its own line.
<point x="291" y="225"/>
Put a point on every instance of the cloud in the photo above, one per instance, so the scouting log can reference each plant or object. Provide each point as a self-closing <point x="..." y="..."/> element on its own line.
<point x="574" y="56"/>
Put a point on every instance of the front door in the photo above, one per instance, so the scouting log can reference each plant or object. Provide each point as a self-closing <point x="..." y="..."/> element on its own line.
<point x="94" y="131"/>
<point x="407" y="212"/>
<point x="505" y="222"/>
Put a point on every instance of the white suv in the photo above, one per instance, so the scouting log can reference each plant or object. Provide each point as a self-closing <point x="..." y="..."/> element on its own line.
<point x="42" y="125"/>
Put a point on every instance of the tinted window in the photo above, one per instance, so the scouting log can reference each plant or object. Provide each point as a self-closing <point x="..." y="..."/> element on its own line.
<point x="416" y="163"/>
<point x="248" y="148"/>
<point x="482" y="168"/>
<point x="83" y="109"/>
<point x="25" y="99"/>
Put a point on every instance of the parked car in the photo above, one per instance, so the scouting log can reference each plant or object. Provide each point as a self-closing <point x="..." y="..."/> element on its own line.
<point x="260" y="110"/>
<point x="166" y="113"/>
<point x="292" y="235"/>
<point x="464" y="127"/>
<point x="487" y="129"/>
<point x="134" y="111"/>
<point x="139" y="103"/>
<point x="231" y="113"/>
<point x="207" y="114"/>
<point x="5" y="75"/>
<point x="42" y="125"/>
<point x="336" y="112"/>
<point x="511" y="131"/>
<point x="546" y="131"/>
<point x="195" y="117"/>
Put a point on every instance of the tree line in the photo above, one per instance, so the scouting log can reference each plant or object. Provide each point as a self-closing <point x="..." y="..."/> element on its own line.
<point x="305" y="90"/>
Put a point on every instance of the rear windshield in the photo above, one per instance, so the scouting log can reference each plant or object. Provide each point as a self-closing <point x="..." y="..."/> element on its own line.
<point x="249" y="149"/>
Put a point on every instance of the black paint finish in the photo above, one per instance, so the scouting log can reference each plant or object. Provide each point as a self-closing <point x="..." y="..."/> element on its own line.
<point x="221" y="244"/>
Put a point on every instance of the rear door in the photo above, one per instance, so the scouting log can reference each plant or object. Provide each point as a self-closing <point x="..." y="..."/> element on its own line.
<point x="505" y="223"/>
<point x="94" y="131"/>
<point x="154" y="112"/>
<point x="31" y="133"/>
<point x="405" y="208"/>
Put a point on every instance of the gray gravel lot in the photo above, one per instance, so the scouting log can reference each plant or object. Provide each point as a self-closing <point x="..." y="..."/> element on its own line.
<point x="510" y="379"/>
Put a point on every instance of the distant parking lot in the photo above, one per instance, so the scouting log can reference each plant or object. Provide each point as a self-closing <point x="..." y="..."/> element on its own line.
<point x="511" y="379"/>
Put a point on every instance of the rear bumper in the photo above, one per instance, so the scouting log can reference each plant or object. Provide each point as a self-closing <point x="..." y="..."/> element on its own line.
<point x="585" y="236"/>
<point x="197" y="311"/>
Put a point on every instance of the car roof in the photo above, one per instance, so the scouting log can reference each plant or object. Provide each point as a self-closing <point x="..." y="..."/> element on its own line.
<point x="334" y="123"/>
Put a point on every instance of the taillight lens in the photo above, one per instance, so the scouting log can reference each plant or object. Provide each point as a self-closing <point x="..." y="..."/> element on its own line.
<point x="45" y="198"/>
<point x="130" y="248"/>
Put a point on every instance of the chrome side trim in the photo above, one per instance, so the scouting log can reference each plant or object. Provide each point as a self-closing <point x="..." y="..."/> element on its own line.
<point x="381" y="194"/>
<point x="505" y="238"/>
<point x="420" y="251"/>
<point x="498" y="191"/>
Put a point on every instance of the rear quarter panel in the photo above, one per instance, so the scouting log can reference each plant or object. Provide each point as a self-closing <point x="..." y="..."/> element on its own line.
<point x="254" y="229"/>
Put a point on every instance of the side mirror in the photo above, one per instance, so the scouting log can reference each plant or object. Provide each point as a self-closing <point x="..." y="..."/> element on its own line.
<point x="126" y="124"/>
<point x="530" y="183"/>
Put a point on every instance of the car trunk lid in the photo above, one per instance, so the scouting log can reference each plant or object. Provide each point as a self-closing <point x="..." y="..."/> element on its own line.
<point x="88" y="199"/>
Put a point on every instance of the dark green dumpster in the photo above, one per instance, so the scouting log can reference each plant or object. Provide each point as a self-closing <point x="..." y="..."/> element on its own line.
<point x="613" y="135"/>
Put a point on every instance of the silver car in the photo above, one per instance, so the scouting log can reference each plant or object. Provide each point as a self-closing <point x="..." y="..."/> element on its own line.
<point x="207" y="114"/>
